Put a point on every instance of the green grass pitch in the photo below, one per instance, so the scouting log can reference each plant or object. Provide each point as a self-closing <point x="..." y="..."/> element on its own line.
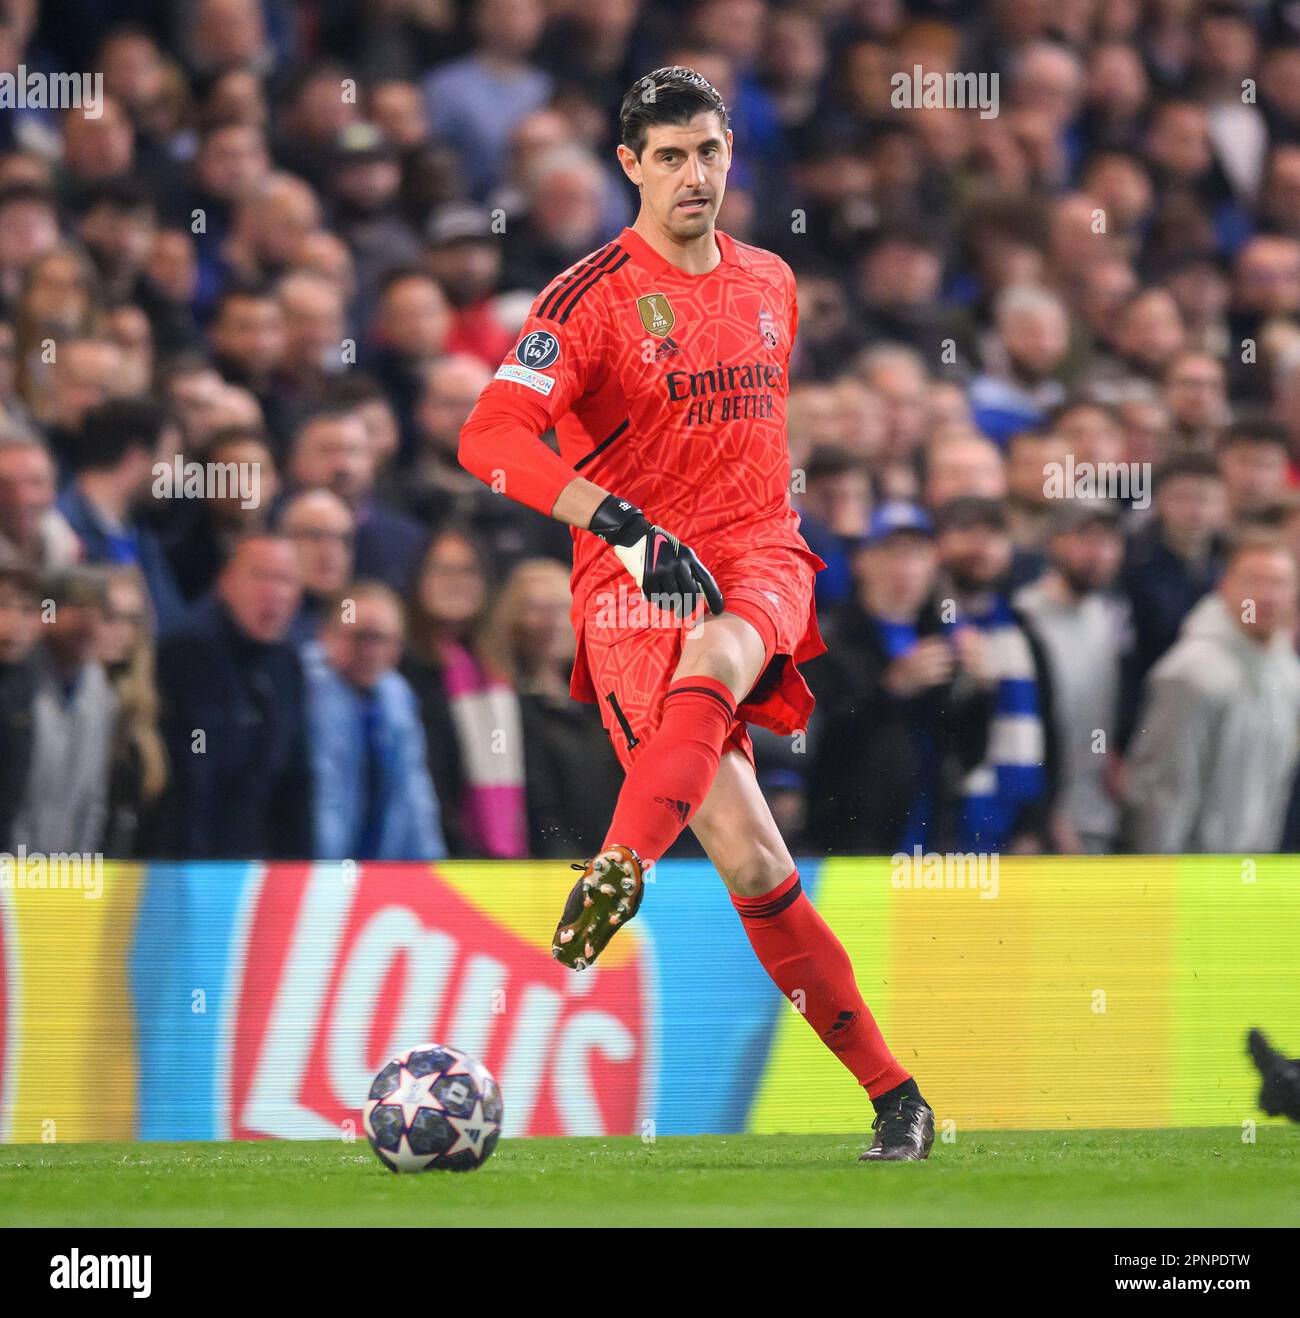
<point x="1030" y="1178"/>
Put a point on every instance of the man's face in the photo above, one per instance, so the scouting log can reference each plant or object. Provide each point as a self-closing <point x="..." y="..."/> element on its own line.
<point x="1090" y="557"/>
<point x="1091" y="435"/>
<point x="85" y="375"/>
<point x="1259" y="590"/>
<point x="976" y="557"/>
<point x="964" y="466"/>
<point x="1254" y="473"/>
<point x="415" y="318"/>
<point x="363" y="650"/>
<point x="20" y="620"/>
<point x="1192" y="508"/>
<point x="250" y="331"/>
<point x="74" y="632"/>
<point x="1194" y="390"/>
<point x="233" y="162"/>
<point x="260" y="587"/>
<point x="26" y="491"/>
<point x="334" y="453"/>
<point x="900" y="569"/>
<point x="321" y="530"/>
<point x="452" y="390"/>
<point x="682" y="174"/>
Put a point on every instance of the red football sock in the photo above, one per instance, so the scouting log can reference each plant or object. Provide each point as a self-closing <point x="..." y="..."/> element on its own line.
<point x="675" y="771"/>
<point x="802" y="954"/>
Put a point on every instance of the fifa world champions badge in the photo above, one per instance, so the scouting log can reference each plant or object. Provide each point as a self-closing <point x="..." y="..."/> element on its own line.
<point x="656" y="314"/>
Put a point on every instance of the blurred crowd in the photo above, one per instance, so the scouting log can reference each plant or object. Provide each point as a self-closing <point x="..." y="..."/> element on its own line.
<point x="1044" y="418"/>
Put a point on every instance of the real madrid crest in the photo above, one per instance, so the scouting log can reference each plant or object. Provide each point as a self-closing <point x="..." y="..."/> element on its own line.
<point x="767" y="328"/>
<point x="656" y="314"/>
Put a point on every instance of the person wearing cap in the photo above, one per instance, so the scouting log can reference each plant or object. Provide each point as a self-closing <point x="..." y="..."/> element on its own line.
<point x="64" y="806"/>
<point x="906" y="707"/>
<point x="1085" y="632"/>
<point x="1007" y="796"/>
<point x="364" y="188"/>
<point x="464" y="256"/>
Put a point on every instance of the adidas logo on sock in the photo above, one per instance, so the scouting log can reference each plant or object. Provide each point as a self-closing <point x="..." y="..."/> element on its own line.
<point x="835" y="1034"/>
<point x="680" y="808"/>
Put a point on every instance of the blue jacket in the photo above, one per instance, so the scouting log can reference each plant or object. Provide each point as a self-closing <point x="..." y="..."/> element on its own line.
<point x="410" y="827"/>
<point x="136" y="545"/>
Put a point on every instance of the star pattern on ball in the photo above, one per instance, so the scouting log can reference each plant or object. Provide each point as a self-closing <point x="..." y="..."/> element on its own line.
<point x="411" y="1093"/>
<point x="471" y="1131"/>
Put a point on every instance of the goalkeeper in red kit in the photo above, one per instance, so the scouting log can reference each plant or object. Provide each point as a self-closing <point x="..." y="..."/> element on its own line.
<point x="662" y="363"/>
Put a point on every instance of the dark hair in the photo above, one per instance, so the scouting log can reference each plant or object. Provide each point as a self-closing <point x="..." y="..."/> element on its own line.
<point x="1200" y="465"/>
<point x="111" y="430"/>
<point x="22" y="582"/>
<point x="672" y="95"/>
<point x="1254" y="430"/>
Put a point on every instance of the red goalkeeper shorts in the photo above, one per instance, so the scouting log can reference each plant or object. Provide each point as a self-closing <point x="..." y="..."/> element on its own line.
<point x="628" y="650"/>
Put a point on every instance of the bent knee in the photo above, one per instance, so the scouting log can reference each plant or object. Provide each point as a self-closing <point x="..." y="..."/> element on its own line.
<point x="754" y="868"/>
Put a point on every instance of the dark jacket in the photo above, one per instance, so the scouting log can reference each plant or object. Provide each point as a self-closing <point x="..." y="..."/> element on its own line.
<point x="868" y="763"/>
<point x="1162" y="589"/>
<point x="17" y="694"/>
<point x="571" y="776"/>
<point x="247" y="792"/>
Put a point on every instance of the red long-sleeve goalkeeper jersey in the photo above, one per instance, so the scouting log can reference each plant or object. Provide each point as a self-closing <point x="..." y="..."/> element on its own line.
<point x="666" y="388"/>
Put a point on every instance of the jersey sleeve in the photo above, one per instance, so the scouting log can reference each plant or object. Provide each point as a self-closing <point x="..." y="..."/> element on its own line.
<point x="554" y="362"/>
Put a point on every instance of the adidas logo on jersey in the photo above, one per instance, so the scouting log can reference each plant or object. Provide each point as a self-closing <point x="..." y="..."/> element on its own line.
<point x="668" y="348"/>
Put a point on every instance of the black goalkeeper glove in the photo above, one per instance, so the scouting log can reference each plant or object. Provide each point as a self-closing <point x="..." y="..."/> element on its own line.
<point x="668" y="573"/>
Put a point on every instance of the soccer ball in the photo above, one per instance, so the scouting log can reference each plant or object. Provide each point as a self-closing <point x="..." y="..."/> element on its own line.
<point x="433" y="1108"/>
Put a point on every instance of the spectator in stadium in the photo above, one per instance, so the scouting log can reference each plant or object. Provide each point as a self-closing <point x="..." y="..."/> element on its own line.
<point x="464" y="255"/>
<point x="438" y="490"/>
<point x="1170" y="564"/>
<point x="563" y="221"/>
<point x="1033" y="337"/>
<point x="234" y="717"/>
<point x="247" y="335"/>
<point x="1008" y="796"/>
<point x="34" y="535"/>
<point x="374" y="797"/>
<point x="898" y="376"/>
<point x="1253" y="457"/>
<point x="409" y="335"/>
<point x="903" y="706"/>
<point x="64" y="805"/>
<point x="1029" y="505"/>
<point x="117" y="447"/>
<point x="29" y="227"/>
<point x="20" y="622"/>
<point x="323" y="532"/>
<point x="475" y="101"/>
<point x="198" y="535"/>
<point x="834" y="508"/>
<point x="331" y="450"/>
<point x="959" y="463"/>
<point x="138" y="768"/>
<point x="1084" y="632"/>
<point x="85" y="373"/>
<point x="1195" y="388"/>
<point x="470" y="712"/>
<point x="571" y="774"/>
<point x="1211" y="765"/>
